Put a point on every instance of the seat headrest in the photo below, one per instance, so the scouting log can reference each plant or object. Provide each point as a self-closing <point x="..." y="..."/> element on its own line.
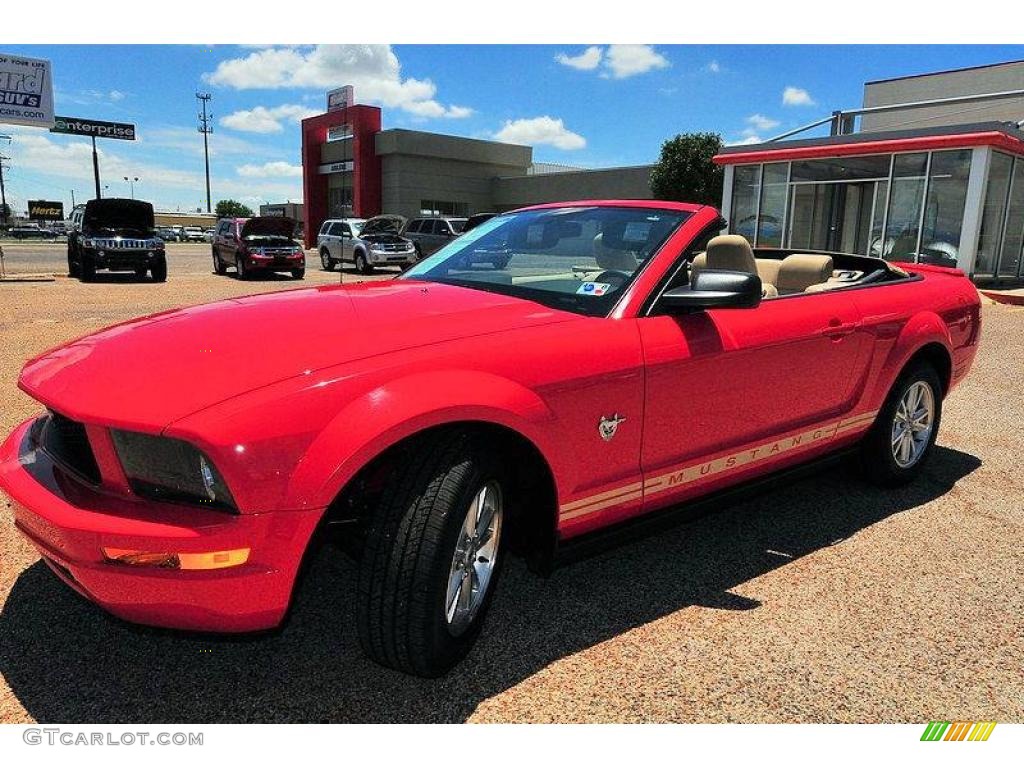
<point x="799" y="271"/>
<point x="613" y="258"/>
<point x="730" y="252"/>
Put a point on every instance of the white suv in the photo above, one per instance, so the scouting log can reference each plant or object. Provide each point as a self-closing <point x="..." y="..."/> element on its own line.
<point x="367" y="243"/>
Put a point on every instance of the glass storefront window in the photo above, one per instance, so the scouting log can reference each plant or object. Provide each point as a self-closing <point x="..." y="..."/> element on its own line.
<point x="992" y="213"/>
<point x="774" y="191"/>
<point x="906" y="194"/>
<point x="746" y="185"/>
<point x="944" y="207"/>
<point x="1013" y="238"/>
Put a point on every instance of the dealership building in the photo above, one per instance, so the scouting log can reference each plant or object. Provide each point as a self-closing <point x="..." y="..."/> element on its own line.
<point x="350" y="167"/>
<point x="933" y="173"/>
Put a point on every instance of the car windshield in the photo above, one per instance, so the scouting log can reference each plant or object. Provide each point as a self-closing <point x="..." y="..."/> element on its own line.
<point x="357" y="226"/>
<point x="580" y="258"/>
<point x="457" y="225"/>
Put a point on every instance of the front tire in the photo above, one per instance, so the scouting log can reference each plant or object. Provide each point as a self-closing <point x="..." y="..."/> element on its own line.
<point x="298" y="274"/>
<point x="903" y="435"/>
<point x="244" y="273"/>
<point x="159" y="270"/>
<point x="219" y="267"/>
<point x="433" y="556"/>
<point x="362" y="265"/>
<point x="87" y="268"/>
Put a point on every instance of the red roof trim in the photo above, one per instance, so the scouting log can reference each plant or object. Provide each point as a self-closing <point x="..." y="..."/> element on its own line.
<point x="959" y="141"/>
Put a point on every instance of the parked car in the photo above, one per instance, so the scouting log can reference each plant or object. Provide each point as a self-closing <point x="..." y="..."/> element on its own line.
<point x="428" y="235"/>
<point x="117" y="235"/>
<point x="193" y="234"/>
<point x="334" y="241"/>
<point x="167" y="234"/>
<point x="258" y="245"/>
<point x="375" y="242"/>
<point x="476" y="220"/>
<point x="625" y="361"/>
<point x="31" y="232"/>
<point x="208" y="235"/>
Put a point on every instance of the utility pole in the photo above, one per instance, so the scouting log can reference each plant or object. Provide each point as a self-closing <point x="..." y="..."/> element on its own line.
<point x="3" y="192"/>
<point x="72" y="199"/>
<point x="96" y="168"/>
<point x="206" y="129"/>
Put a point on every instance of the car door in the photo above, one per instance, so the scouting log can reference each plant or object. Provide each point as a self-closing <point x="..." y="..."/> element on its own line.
<point x="343" y="241"/>
<point x="733" y="393"/>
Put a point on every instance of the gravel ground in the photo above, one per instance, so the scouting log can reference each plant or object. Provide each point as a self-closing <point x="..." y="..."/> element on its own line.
<point x="825" y="600"/>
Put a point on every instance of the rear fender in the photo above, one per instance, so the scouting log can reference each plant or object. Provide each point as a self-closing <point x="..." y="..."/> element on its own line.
<point x="384" y="416"/>
<point x="922" y="329"/>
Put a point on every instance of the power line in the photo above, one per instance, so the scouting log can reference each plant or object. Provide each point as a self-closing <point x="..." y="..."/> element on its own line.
<point x="206" y="129"/>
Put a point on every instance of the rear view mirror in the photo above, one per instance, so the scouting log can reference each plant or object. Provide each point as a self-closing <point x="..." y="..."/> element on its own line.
<point x="714" y="289"/>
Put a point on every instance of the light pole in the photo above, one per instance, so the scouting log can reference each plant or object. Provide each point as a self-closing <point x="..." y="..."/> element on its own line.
<point x="131" y="184"/>
<point x="3" y="192"/>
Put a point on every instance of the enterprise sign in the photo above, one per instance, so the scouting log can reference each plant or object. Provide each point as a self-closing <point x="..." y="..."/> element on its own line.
<point x="77" y="126"/>
<point x="339" y="167"/>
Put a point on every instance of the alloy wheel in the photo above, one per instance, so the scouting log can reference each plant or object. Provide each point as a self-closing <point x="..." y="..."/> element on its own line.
<point x="912" y="424"/>
<point x="475" y="558"/>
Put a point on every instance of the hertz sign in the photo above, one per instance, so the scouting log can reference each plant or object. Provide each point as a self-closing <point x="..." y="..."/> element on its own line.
<point x="45" y="210"/>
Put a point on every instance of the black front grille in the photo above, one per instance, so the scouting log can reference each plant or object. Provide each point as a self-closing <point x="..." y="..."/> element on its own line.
<point x="65" y="440"/>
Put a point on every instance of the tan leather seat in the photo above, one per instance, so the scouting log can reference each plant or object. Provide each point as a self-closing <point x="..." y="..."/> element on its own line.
<point x="800" y="271"/>
<point x="733" y="252"/>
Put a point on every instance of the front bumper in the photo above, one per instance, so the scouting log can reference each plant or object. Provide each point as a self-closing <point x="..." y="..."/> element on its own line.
<point x="261" y="261"/>
<point x="70" y="523"/>
<point x="116" y="259"/>
<point x="392" y="257"/>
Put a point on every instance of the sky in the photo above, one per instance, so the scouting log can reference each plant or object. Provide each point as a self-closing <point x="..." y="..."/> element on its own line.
<point x="582" y="105"/>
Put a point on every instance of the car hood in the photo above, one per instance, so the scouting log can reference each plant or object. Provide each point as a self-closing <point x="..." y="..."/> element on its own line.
<point x="149" y="372"/>
<point x="385" y="224"/>
<point x="117" y="213"/>
<point x="279" y="226"/>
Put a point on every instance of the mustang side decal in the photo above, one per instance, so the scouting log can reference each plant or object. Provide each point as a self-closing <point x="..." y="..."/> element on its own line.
<point x="695" y="472"/>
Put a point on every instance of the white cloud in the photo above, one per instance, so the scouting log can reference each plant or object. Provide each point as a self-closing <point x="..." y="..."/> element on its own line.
<point x="616" y="61"/>
<point x="277" y="168"/>
<point x="540" y="130"/>
<point x="589" y="59"/>
<point x="266" y="119"/>
<point x="796" y="97"/>
<point x="713" y="67"/>
<point x="187" y="140"/>
<point x="374" y="70"/>
<point x="628" y="60"/>
<point x="748" y="138"/>
<point x="761" y="123"/>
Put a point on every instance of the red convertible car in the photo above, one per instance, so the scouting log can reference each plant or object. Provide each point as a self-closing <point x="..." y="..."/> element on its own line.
<point x="556" y="373"/>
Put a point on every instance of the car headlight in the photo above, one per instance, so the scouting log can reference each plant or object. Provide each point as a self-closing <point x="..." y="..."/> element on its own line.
<point x="172" y="470"/>
<point x="88" y="242"/>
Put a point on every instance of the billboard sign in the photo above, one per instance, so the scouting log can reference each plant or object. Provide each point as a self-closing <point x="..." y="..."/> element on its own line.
<point x="26" y="91"/>
<point x="340" y="98"/>
<point x="77" y="126"/>
<point x="342" y="166"/>
<point x="45" y="210"/>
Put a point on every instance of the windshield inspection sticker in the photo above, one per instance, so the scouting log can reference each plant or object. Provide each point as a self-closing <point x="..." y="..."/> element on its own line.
<point x="593" y="289"/>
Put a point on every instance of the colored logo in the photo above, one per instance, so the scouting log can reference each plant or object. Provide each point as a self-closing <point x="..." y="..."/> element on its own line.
<point x="942" y="730"/>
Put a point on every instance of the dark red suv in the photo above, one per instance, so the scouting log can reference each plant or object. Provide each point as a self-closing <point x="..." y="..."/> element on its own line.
<point x="261" y="244"/>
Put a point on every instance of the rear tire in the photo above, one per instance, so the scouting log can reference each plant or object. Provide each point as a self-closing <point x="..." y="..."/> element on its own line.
<point x="423" y="547"/>
<point x="362" y="265"/>
<point x="326" y="261"/>
<point x="159" y="270"/>
<point x="904" y="432"/>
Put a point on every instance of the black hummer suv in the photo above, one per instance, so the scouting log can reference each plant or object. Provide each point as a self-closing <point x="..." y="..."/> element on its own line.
<point x="117" y="235"/>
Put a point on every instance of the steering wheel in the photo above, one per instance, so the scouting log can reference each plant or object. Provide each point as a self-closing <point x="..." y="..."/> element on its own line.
<point x="614" y="277"/>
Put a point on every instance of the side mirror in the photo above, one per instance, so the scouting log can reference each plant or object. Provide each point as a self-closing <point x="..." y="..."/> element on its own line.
<point x="714" y="289"/>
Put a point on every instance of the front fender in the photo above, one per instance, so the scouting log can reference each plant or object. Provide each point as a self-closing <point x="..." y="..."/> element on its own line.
<point x="392" y="411"/>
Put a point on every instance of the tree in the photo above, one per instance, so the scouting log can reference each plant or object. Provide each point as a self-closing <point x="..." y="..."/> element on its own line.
<point x="232" y="208"/>
<point x="685" y="171"/>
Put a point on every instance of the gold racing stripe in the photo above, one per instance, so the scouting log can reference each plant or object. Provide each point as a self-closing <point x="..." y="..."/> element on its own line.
<point x="695" y="472"/>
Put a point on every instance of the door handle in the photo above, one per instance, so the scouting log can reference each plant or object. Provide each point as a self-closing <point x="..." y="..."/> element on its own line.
<point x="836" y="329"/>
